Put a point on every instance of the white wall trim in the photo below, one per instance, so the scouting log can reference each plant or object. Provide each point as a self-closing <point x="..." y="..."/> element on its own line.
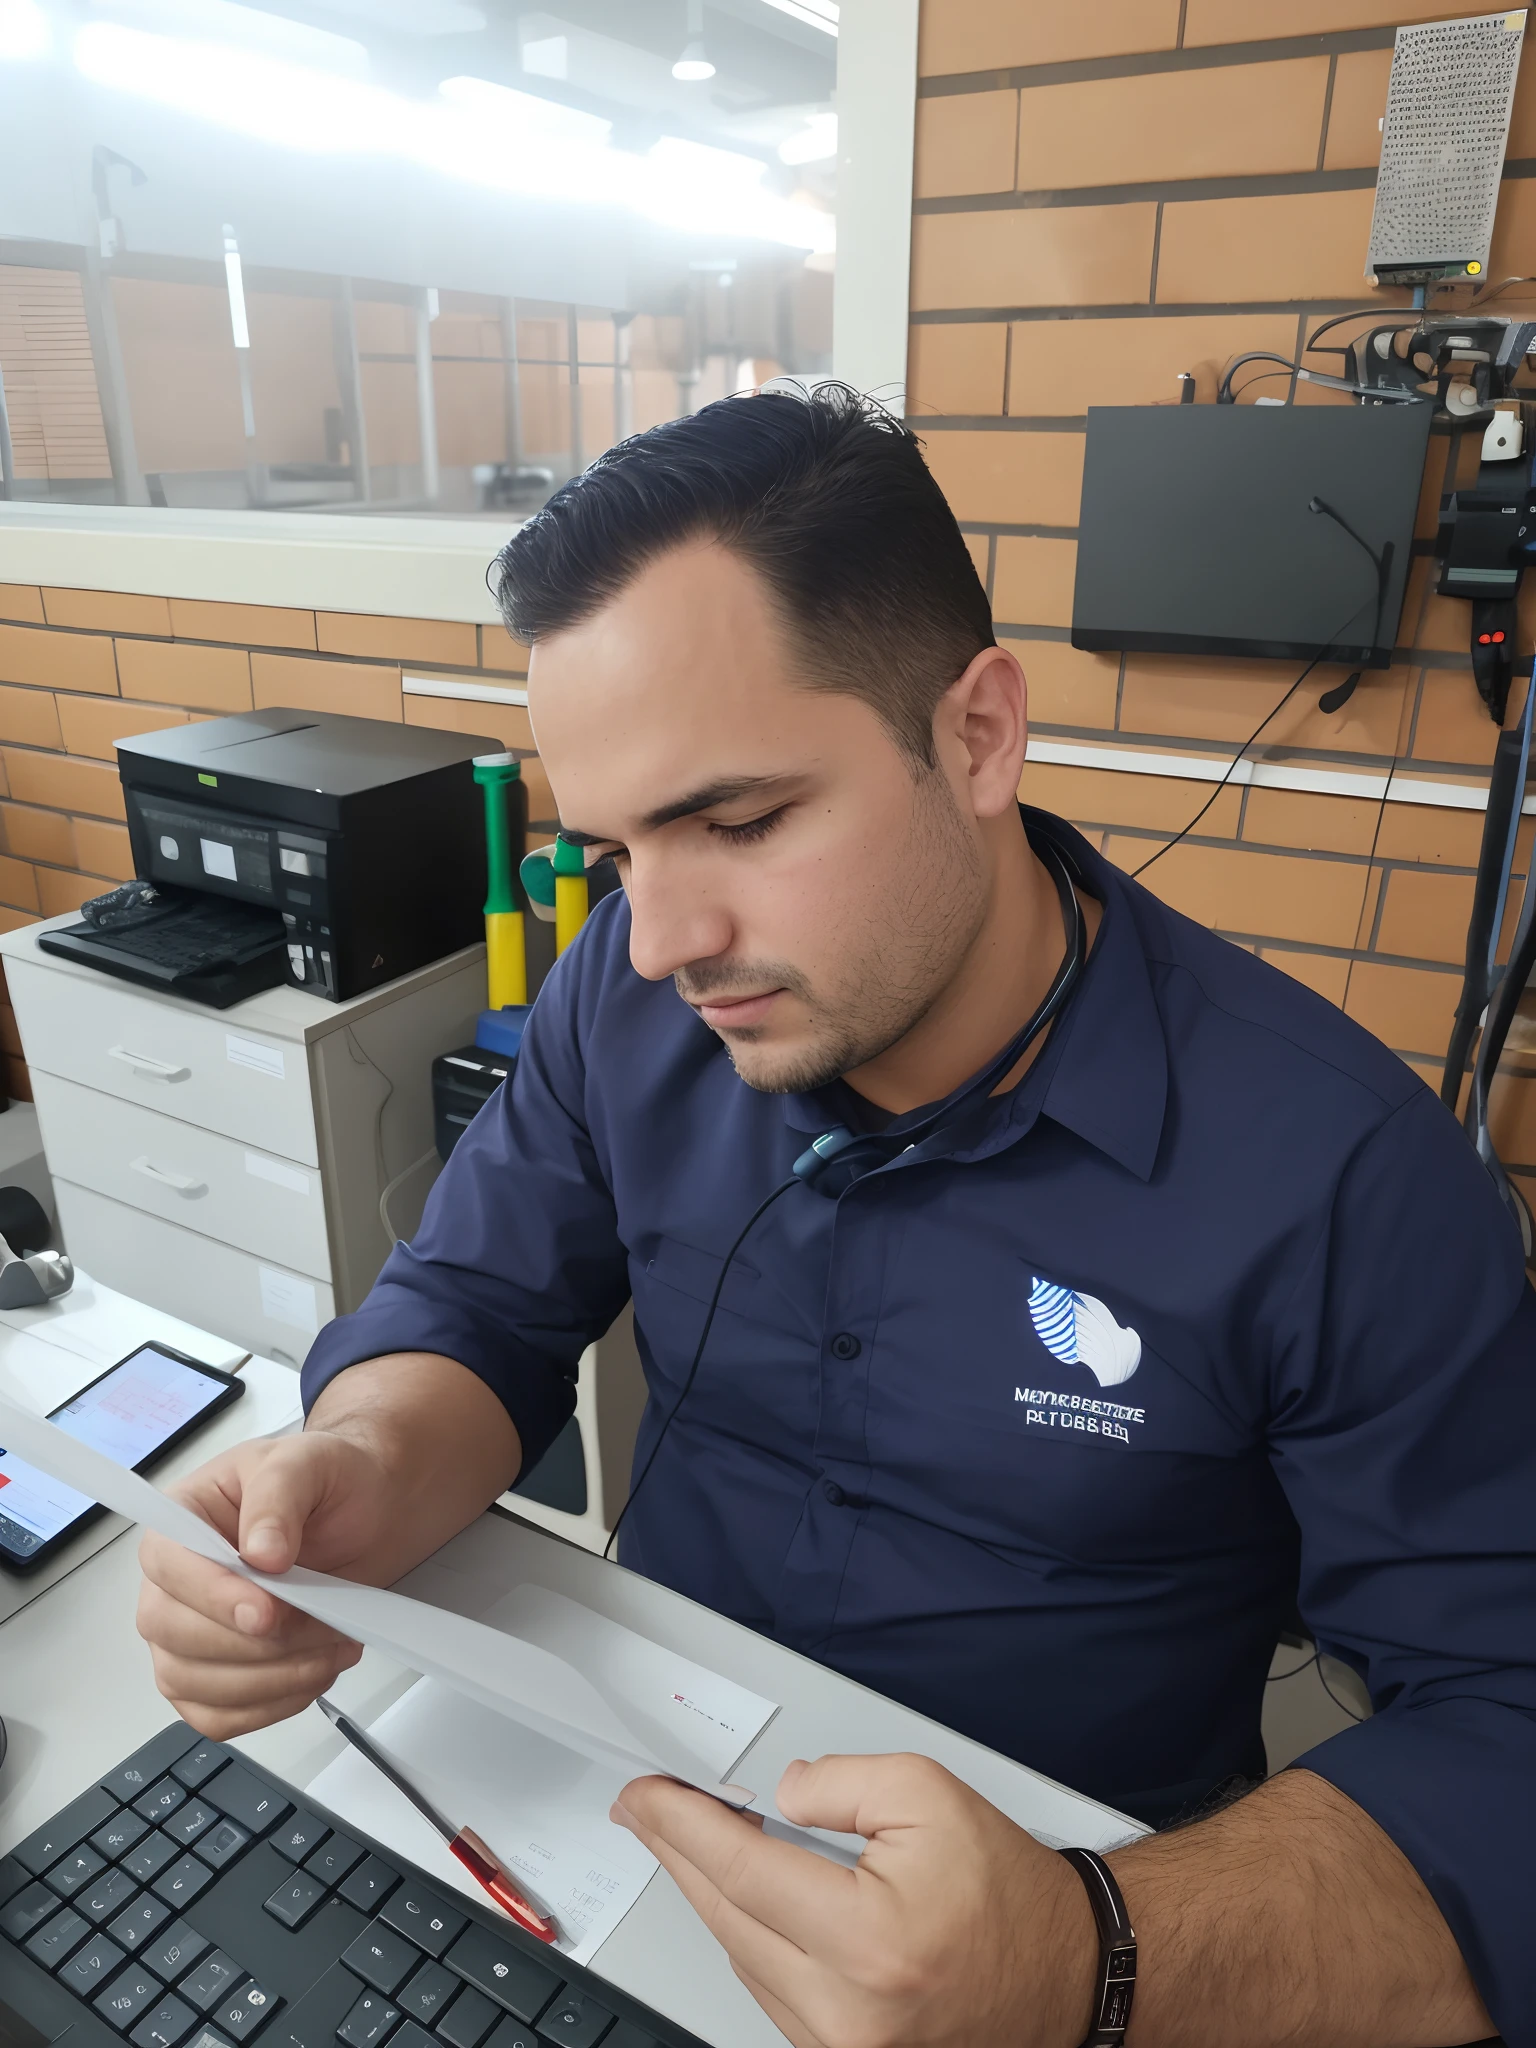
<point x="465" y="693"/>
<point x="1445" y="791"/>
<point x="876" y="122"/>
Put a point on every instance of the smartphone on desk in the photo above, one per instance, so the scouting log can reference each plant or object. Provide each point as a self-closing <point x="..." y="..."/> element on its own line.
<point x="137" y="1413"/>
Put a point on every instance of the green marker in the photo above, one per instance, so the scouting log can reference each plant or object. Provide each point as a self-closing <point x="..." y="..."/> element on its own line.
<point x="506" y="817"/>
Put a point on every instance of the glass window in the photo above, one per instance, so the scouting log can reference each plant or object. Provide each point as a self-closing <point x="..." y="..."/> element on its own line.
<point x="397" y="256"/>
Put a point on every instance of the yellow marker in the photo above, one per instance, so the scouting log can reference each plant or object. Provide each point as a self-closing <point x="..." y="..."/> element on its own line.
<point x="506" y="952"/>
<point x="571" y="893"/>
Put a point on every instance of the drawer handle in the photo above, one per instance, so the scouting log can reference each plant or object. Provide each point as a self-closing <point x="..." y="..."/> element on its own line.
<point x="183" y="1183"/>
<point x="141" y="1063"/>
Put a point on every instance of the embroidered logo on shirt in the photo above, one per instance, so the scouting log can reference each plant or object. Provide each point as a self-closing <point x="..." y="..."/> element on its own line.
<point x="1079" y="1330"/>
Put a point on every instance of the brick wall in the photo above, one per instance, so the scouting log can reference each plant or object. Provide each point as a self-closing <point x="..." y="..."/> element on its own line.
<point x="80" y="669"/>
<point x="1105" y="197"/>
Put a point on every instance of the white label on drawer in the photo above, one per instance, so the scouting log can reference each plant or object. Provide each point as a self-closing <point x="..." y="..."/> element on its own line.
<point x="218" y="859"/>
<point x="260" y="1167"/>
<point x="250" y="1052"/>
<point x="287" y="1300"/>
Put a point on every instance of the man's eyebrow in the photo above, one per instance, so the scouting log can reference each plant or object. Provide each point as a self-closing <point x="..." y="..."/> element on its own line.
<point x="729" y="789"/>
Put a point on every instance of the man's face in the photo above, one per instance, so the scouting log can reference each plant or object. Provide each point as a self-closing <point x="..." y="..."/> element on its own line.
<point x="808" y="895"/>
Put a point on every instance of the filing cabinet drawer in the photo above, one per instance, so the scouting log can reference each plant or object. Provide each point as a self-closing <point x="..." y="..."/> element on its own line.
<point x="194" y="1178"/>
<point x="200" y="1067"/>
<point x="261" y="1307"/>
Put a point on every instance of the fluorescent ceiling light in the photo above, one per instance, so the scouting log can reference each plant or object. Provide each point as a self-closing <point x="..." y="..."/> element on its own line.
<point x="246" y="28"/>
<point x="816" y="141"/>
<point x="23" y="29"/>
<point x="822" y="14"/>
<point x="235" y="285"/>
<point x="548" y="56"/>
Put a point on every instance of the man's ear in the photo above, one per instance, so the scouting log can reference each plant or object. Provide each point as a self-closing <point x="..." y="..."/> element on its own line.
<point x="981" y="729"/>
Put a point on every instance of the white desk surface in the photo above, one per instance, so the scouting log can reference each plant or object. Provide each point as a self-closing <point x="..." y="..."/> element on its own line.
<point x="78" y="1696"/>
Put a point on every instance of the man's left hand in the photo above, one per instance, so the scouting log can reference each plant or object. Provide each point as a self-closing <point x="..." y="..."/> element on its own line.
<point x="956" y="1930"/>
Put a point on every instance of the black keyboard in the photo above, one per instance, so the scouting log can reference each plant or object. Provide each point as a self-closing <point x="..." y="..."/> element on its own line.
<point x="190" y="1900"/>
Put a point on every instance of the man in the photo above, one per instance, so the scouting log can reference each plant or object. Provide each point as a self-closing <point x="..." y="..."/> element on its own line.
<point x="1038" y="1425"/>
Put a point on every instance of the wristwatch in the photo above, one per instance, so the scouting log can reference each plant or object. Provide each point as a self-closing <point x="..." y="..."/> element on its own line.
<point x="1116" y="1986"/>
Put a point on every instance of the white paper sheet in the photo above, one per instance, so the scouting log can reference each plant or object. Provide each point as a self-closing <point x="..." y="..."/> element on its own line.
<point x="514" y="1677"/>
<point x="541" y="1807"/>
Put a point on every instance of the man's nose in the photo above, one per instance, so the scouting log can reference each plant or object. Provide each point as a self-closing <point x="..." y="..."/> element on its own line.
<point x="673" y="924"/>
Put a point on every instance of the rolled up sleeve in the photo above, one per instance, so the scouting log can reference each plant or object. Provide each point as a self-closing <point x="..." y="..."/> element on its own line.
<point x="517" y="1265"/>
<point x="1405" y="1439"/>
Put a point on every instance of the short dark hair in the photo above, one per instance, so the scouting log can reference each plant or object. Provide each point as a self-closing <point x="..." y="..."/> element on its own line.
<point x="825" y="494"/>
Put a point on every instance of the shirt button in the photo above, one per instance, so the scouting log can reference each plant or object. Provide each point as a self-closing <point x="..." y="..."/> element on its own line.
<point x="846" y="1345"/>
<point x="834" y="1493"/>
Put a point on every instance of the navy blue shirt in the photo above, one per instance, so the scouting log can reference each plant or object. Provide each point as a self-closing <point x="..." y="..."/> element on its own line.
<point x="1048" y="1435"/>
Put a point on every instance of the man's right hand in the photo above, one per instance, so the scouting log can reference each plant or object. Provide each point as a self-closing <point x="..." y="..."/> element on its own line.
<point x="227" y="1655"/>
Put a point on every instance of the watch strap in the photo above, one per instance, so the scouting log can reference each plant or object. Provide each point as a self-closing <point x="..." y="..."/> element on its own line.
<point x="1115" y="1986"/>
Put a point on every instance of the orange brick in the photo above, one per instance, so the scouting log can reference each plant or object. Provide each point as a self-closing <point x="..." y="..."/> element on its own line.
<point x="1010" y="478"/>
<point x="91" y="727"/>
<point x="1247" y="21"/>
<point x="976" y="35"/>
<point x="103" y="848"/>
<point x="1064" y="366"/>
<point x="1428" y="832"/>
<point x="506" y="723"/>
<point x="1241" y="120"/>
<point x="1304" y="245"/>
<point x="437" y="640"/>
<point x="1270" y="895"/>
<point x="107" y="611"/>
<point x="18" y="884"/>
<point x="1314" y="823"/>
<point x="38" y="835"/>
<point x="21" y="601"/>
<point x="1359" y="101"/>
<point x="11" y="921"/>
<point x="964" y="144"/>
<point x="59" y="890"/>
<point x="1424" y="916"/>
<point x="1033" y="256"/>
<point x="202" y="678"/>
<point x="1409" y="1008"/>
<point x="1453" y="723"/>
<point x="956" y="369"/>
<point x="541" y="798"/>
<point x="1441" y="624"/>
<point x="62" y="661"/>
<point x="1512" y="1117"/>
<point x="1066" y="686"/>
<point x="1324" y="972"/>
<point x="64" y="785"/>
<point x="500" y="653"/>
<point x="1513" y="227"/>
<point x="1107" y="796"/>
<point x="978" y="547"/>
<point x="28" y="717"/>
<point x="1033" y="584"/>
<point x="364" y="692"/>
<point x="248" y="625"/>
<point x="1177" y="697"/>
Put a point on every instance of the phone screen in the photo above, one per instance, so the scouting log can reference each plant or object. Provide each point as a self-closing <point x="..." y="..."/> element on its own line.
<point x="129" y="1414"/>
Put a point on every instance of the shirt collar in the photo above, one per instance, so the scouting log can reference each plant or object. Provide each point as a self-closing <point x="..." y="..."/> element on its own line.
<point x="1104" y="1074"/>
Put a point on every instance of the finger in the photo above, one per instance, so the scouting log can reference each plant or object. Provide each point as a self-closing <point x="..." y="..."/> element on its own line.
<point x="217" y="1594"/>
<point x="789" y="2024"/>
<point x="867" y="1795"/>
<point x="219" y="1724"/>
<point x="797" y="1894"/>
<point x="167" y="1623"/>
<point x="278" y="1494"/>
<point x="238" y="1685"/>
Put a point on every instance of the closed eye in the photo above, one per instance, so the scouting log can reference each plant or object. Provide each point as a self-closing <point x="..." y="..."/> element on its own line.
<point x="754" y="829"/>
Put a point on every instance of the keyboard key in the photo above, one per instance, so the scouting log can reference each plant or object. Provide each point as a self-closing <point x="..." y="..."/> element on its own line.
<point x="313" y="2020"/>
<point x="66" y="1831"/>
<point x="428" y="1992"/>
<point x="411" y="2036"/>
<point x="186" y="1825"/>
<point x="133" y="1927"/>
<point x="429" y="1921"/>
<point x="298" y="1835"/>
<point x="161" y="1799"/>
<point x="576" y="2021"/>
<point x="213" y="1977"/>
<point x="222" y="1844"/>
<point x="241" y="1794"/>
<point x="128" y="1998"/>
<point x="75" y="1870"/>
<point x="368" y="2021"/>
<point x="108" y="1895"/>
<point x="251" y="2007"/>
<point x="370" y="1884"/>
<point x="13" y="1878"/>
<point x="294" y="1900"/>
<point x="58" y="1937"/>
<point x="381" y="1958"/>
<point x="173" y="1950"/>
<point x="205" y="2037"/>
<point x="627" y="2035"/>
<point x="167" y="2025"/>
<point x="149" y="1763"/>
<point x="119" y="1834"/>
<point x="97" y="1963"/>
<point x="200" y="1763"/>
<point x="504" y="1973"/>
<point x="336" y="1855"/>
<point x="468" y="2020"/>
<point x="148" y="1858"/>
<point x="181" y="1883"/>
<point x="27" y="1912"/>
<point x="511" y="2033"/>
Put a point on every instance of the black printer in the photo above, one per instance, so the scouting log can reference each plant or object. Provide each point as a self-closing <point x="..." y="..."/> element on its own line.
<point x="366" y="837"/>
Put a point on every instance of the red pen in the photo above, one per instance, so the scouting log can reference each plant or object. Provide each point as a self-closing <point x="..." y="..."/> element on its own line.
<point x="463" y="1843"/>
